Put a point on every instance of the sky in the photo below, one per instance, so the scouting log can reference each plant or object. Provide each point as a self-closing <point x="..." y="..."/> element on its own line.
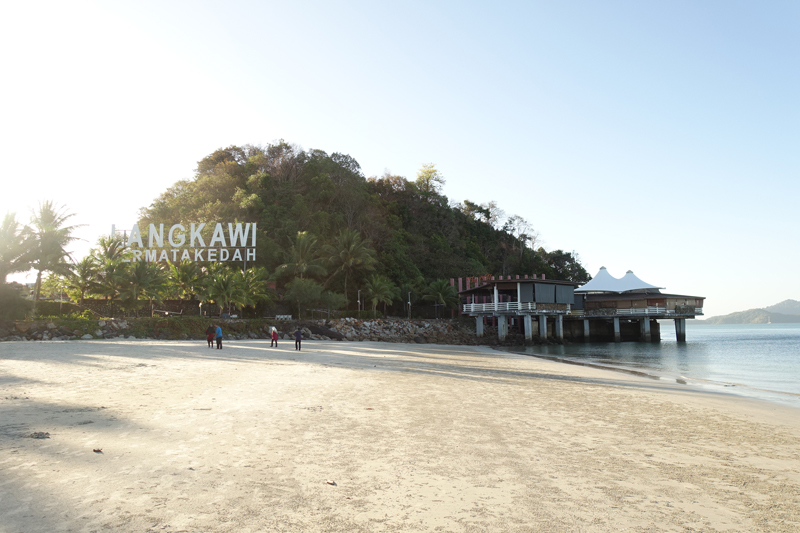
<point x="657" y="137"/>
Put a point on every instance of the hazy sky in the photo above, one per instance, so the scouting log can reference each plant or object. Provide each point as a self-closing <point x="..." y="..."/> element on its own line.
<point x="663" y="138"/>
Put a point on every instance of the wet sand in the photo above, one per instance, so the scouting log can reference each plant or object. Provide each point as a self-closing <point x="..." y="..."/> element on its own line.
<point x="376" y="437"/>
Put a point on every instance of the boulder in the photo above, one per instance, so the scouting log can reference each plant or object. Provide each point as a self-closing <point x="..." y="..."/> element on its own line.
<point x="87" y="337"/>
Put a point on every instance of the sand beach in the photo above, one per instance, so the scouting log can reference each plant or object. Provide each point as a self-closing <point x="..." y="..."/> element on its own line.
<point x="367" y="436"/>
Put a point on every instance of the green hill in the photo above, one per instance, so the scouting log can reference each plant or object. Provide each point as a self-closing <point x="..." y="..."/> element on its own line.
<point x="417" y="234"/>
<point x="790" y="315"/>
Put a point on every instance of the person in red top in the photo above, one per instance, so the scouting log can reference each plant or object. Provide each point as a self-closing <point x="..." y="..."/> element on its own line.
<point x="210" y="335"/>
<point x="274" y="338"/>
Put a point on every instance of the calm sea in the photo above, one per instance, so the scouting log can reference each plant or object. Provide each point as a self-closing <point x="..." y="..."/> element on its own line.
<point x="757" y="360"/>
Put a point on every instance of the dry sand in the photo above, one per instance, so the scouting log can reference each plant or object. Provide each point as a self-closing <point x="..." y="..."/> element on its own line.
<point x="413" y="438"/>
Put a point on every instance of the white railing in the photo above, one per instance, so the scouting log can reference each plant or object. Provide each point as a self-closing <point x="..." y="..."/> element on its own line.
<point x="499" y="307"/>
<point x="634" y="311"/>
<point x="506" y="307"/>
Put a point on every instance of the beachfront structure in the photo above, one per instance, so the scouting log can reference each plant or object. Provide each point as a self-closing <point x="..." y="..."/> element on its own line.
<point x="509" y="300"/>
<point x="609" y="299"/>
<point x="604" y="308"/>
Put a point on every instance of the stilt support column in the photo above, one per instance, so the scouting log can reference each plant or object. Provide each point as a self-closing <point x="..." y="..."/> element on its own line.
<point x="617" y="335"/>
<point x="528" y="324"/>
<point x="644" y="329"/>
<point x="479" y="326"/>
<point x="680" y="329"/>
<point x="585" y="330"/>
<point x="502" y="327"/>
<point x="542" y="326"/>
<point x="560" y="327"/>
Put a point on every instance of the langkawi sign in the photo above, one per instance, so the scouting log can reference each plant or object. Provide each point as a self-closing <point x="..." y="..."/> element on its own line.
<point x="179" y="243"/>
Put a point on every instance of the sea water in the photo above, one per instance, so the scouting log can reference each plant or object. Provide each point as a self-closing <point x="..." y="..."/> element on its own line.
<point x="756" y="360"/>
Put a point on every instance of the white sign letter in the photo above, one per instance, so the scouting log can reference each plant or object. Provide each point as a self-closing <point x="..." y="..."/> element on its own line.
<point x="238" y="234"/>
<point x="219" y="236"/>
<point x="156" y="236"/>
<point x="135" y="236"/>
<point x="195" y="235"/>
<point x="181" y="236"/>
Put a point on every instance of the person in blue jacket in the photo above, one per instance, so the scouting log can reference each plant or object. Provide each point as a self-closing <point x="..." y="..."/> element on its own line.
<point x="298" y="336"/>
<point x="219" y="338"/>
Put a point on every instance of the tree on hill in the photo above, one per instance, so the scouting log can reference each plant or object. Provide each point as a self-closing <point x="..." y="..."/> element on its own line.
<point x="303" y="258"/>
<point x="429" y="179"/>
<point x="349" y="255"/>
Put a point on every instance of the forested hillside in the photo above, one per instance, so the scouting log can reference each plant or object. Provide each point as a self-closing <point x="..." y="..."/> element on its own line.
<point x="328" y="239"/>
<point x="303" y="201"/>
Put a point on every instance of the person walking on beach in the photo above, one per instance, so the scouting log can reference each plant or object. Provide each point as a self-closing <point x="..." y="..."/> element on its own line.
<point x="298" y="336"/>
<point x="219" y="338"/>
<point x="274" y="337"/>
<point x="210" y="332"/>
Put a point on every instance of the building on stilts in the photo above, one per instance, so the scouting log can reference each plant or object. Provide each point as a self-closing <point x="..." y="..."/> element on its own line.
<point x="604" y="309"/>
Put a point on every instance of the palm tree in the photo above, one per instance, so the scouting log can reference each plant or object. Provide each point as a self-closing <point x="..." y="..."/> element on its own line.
<point x="303" y="258"/>
<point x="380" y="289"/>
<point x="111" y="278"/>
<point x="144" y="280"/>
<point x="440" y="292"/>
<point x="186" y="279"/>
<point x="256" y="287"/>
<point x="350" y="254"/>
<point x="49" y="237"/>
<point x="225" y="288"/>
<point x="109" y="247"/>
<point x="82" y="279"/>
<point x="14" y="247"/>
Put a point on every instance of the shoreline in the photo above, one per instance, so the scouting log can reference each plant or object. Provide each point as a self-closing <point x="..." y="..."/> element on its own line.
<point x="713" y="387"/>
<point x="411" y="437"/>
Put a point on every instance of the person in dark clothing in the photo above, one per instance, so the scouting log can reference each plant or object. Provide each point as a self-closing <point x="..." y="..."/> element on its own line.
<point x="219" y="338"/>
<point x="210" y="332"/>
<point x="298" y="336"/>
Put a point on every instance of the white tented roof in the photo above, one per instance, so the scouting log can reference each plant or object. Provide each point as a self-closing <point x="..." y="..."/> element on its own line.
<point x="605" y="282"/>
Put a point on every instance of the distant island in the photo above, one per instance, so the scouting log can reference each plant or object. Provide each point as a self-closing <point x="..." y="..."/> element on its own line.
<point x="786" y="312"/>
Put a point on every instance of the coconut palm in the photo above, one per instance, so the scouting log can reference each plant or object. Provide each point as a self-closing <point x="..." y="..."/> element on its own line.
<point x="257" y="287"/>
<point x="380" y="289"/>
<point x="49" y="237"/>
<point x="14" y="247"/>
<point x="110" y="279"/>
<point x="185" y="279"/>
<point x="225" y="287"/>
<point x="109" y="247"/>
<point x="303" y="258"/>
<point x="82" y="279"/>
<point x="143" y="280"/>
<point x="441" y="293"/>
<point x="349" y="255"/>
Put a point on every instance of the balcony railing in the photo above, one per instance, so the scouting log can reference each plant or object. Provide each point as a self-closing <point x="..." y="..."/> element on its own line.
<point x="633" y="311"/>
<point x="510" y="307"/>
